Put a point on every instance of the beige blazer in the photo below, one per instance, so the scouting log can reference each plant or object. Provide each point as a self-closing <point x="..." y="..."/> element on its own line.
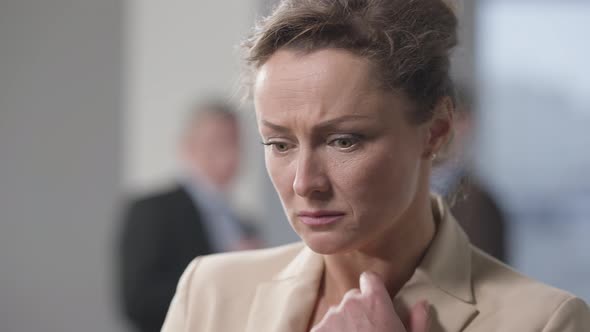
<point x="275" y="290"/>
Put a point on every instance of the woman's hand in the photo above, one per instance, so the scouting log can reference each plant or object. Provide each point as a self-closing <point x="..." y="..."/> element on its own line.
<point x="370" y="309"/>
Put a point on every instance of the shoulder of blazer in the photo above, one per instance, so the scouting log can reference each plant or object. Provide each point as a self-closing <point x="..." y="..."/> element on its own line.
<point x="260" y="263"/>
<point x="162" y="209"/>
<point x="159" y="197"/>
<point x="227" y="272"/>
<point x="499" y="288"/>
<point x="172" y="201"/>
<point x="489" y="272"/>
<point x="173" y="194"/>
<point x="509" y="301"/>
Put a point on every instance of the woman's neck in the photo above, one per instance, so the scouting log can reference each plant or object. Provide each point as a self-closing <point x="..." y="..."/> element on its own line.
<point x="394" y="257"/>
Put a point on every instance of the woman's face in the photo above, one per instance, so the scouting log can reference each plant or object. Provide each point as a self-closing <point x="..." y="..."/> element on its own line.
<point x="340" y="152"/>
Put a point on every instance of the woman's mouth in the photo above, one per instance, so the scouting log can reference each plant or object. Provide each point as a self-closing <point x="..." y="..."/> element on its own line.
<point x="319" y="218"/>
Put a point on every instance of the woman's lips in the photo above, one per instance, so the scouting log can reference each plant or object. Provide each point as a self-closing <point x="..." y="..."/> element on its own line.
<point x="319" y="218"/>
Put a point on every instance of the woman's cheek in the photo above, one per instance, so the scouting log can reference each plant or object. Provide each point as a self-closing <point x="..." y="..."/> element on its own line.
<point x="272" y="170"/>
<point x="281" y="175"/>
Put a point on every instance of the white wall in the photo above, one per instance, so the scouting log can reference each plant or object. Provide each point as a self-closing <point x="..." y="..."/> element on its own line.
<point x="60" y="86"/>
<point x="179" y="51"/>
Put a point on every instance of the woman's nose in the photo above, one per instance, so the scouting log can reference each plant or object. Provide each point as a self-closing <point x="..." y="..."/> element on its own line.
<point x="310" y="176"/>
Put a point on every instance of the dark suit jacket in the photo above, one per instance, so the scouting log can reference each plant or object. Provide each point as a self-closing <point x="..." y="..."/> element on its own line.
<point x="483" y="220"/>
<point x="161" y="234"/>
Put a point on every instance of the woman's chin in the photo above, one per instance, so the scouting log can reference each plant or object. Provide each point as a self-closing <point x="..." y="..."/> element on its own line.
<point x="327" y="244"/>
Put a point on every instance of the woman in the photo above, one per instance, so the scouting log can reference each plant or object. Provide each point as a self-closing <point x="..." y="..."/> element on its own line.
<point x="353" y="102"/>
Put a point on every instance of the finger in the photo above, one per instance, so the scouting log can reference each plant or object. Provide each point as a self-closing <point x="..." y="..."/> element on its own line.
<point x="352" y="307"/>
<point x="351" y="295"/>
<point x="331" y="320"/>
<point x="420" y="317"/>
<point x="332" y="312"/>
<point x="372" y="285"/>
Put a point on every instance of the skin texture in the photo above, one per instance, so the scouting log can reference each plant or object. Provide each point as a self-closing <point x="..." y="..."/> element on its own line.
<point x="336" y="142"/>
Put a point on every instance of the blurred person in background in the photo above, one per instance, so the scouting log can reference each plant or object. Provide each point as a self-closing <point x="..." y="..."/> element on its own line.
<point x="353" y="100"/>
<point x="164" y="231"/>
<point x="475" y="207"/>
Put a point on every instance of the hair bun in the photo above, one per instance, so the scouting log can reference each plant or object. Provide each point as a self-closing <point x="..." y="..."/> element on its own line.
<point x="455" y="5"/>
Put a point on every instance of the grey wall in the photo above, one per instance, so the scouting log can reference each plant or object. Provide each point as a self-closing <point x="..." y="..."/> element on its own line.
<point x="60" y="86"/>
<point x="463" y="57"/>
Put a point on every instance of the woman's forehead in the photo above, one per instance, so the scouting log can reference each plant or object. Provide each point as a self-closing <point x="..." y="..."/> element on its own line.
<point x="321" y="86"/>
<point x="328" y="73"/>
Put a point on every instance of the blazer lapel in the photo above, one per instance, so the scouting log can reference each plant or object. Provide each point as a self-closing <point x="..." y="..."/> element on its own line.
<point x="449" y="314"/>
<point x="285" y="303"/>
<point x="443" y="277"/>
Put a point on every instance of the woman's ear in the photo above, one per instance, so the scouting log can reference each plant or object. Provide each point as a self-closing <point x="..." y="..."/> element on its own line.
<point x="440" y="127"/>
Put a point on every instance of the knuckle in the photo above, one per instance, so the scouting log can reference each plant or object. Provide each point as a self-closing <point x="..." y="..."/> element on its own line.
<point x="332" y="311"/>
<point x="353" y="292"/>
<point x="353" y="307"/>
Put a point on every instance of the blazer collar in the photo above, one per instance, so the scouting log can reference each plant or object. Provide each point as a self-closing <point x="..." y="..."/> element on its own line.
<point x="443" y="278"/>
<point x="280" y="304"/>
<point x="447" y="262"/>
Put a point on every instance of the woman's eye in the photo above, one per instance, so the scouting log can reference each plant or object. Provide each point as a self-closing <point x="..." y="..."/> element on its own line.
<point x="344" y="142"/>
<point x="280" y="147"/>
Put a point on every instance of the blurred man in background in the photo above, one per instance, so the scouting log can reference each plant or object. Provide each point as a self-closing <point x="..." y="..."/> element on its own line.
<point x="164" y="231"/>
<point x="471" y="202"/>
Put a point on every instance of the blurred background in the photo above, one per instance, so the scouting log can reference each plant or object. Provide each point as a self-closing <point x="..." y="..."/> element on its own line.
<point x="93" y="95"/>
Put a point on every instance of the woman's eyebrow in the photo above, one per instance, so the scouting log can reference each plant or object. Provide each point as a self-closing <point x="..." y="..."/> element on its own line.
<point x="324" y="124"/>
<point x="336" y="121"/>
<point x="274" y="126"/>
<point x="320" y="126"/>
